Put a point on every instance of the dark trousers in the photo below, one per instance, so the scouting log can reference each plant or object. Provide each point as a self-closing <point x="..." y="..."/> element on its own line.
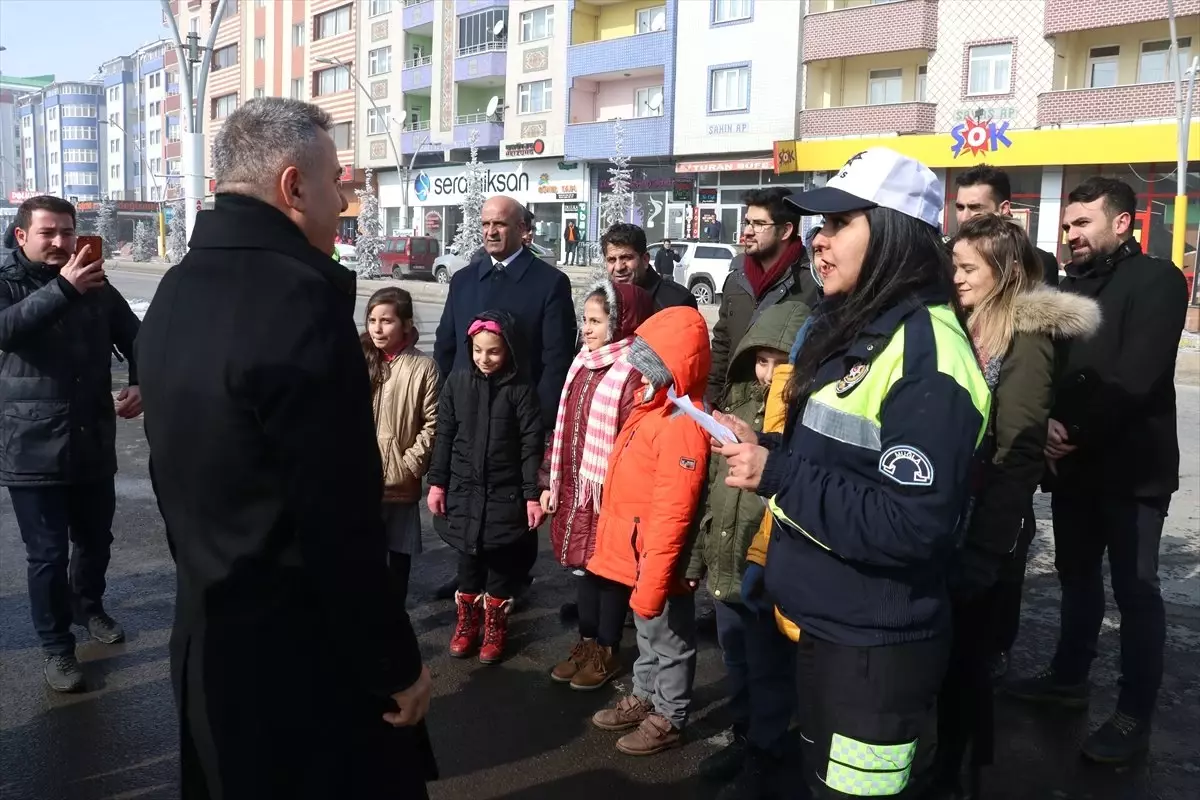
<point x="867" y="715"/>
<point x="1085" y="525"/>
<point x="966" y="713"/>
<point x="1004" y="598"/>
<point x="502" y="572"/>
<point x="67" y="532"/>
<point x="569" y="258"/>
<point x="603" y="605"/>
<point x="400" y="567"/>
<point x="760" y="668"/>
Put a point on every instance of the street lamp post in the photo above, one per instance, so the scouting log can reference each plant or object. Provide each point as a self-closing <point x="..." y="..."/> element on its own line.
<point x="162" y="228"/>
<point x="1183" y="110"/>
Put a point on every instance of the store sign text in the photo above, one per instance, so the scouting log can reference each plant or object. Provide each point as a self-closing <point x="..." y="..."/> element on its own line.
<point x="565" y="191"/>
<point x="520" y="149"/>
<point x="493" y="183"/>
<point x="729" y="127"/>
<point x="977" y="138"/>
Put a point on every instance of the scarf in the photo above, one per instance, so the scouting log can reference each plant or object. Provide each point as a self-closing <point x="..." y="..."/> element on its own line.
<point x="603" y="420"/>
<point x="989" y="365"/>
<point x="760" y="279"/>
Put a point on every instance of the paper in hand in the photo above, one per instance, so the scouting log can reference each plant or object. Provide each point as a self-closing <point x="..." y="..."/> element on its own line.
<point x="702" y="418"/>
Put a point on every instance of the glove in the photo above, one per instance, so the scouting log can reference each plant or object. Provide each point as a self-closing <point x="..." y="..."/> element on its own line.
<point x="753" y="589"/>
<point x="437" y="501"/>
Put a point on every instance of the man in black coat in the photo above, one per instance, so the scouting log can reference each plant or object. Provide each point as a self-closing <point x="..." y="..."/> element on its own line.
<point x="986" y="190"/>
<point x="1113" y="454"/>
<point x="296" y="671"/>
<point x="665" y="260"/>
<point x="623" y="248"/>
<point x="59" y="321"/>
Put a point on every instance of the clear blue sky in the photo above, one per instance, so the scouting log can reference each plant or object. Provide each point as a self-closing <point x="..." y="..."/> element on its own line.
<point x="70" y="38"/>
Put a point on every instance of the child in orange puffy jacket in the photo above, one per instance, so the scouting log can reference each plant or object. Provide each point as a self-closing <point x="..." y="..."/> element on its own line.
<point x="655" y="478"/>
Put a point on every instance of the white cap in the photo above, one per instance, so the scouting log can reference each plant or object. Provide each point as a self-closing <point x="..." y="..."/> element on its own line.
<point x="881" y="178"/>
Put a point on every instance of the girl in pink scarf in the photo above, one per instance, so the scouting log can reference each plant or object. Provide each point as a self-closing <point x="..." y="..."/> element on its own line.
<point x="599" y="392"/>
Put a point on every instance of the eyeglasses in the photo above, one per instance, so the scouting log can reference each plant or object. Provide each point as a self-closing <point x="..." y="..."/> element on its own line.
<point x="758" y="224"/>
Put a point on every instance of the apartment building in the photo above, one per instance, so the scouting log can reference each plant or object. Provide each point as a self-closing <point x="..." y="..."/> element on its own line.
<point x="1051" y="90"/>
<point x="14" y="148"/>
<point x="137" y="127"/>
<point x="59" y="139"/>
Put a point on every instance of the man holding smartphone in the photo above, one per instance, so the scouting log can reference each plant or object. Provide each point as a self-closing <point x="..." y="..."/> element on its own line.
<point x="59" y="322"/>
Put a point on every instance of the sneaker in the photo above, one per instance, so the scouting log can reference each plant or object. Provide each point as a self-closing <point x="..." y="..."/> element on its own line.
<point x="63" y="673"/>
<point x="1118" y="740"/>
<point x="1045" y="687"/>
<point x="566" y="669"/>
<point x="466" y="628"/>
<point x="602" y="665"/>
<point x="726" y="763"/>
<point x="653" y="736"/>
<point x="998" y="665"/>
<point x="104" y="628"/>
<point x="495" y="628"/>
<point x="756" y="780"/>
<point x="629" y="712"/>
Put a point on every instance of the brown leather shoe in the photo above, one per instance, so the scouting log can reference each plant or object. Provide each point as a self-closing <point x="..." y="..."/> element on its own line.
<point x="565" y="670"/>
<point x="600" y="667"/>
<point x="653" y="736"/>
<point x="629" y="712"/>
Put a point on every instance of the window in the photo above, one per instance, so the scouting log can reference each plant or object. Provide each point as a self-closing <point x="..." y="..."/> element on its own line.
<point x="298" y="35"/>
<point x="332" y="23"/>
<point x="648" y="102"/>
<point x="83" y="179"/>
<point x="477" y="32"/>
<point x="537" y="24"/>
<point x="729" y="89"/>
<point x="331" y="81"/>
<point x="114" y="146"/>
<point x="989" y="69"/>
<point x="1153" y="64"/>
<point x="297" y="88"/>
<point x="651" y="20"/>
<point x="259" y="92"/>
<point x="379" y="61"/>
<point x="380" y="7"/>
<point x="76" y="111"/>
<point x="52" y="114"/>
<point x="53" y="181"/>
<point x="156" y="165"/>
<point x="155" y="137"/>
<point x="53" y="136"/>
<point x="231" y="8"/>
<point x="534" y="98"/>
<point x="260" y="3"/>
<point x="260" y="48"/>
<point x="884" y="85"/>
<point x="194" y="25"/>
<point x="223" y="106"/>
<point x="921" y="76"/>
<point x="114" y="171"/>
<point x="341" y="136"/>
<point x="154" y="81"/>
<point x="81" y="157"/>
<point x="730" y="10"/>
<point x="225" y="57"/>
<point x="377" y="120"/>
<point x="1102" y="66"/>
<point x="172" y="129"/>
<point x="54" y="158"/>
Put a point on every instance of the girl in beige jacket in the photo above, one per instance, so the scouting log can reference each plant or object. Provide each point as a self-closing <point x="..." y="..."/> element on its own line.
<point x="405" y="394"/>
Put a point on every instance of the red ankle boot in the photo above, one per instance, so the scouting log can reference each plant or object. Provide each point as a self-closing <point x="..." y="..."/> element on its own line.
<point x="466" y="630"/>
<point x="495" y="628"/>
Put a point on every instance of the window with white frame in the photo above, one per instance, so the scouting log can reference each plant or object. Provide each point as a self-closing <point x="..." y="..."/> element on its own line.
<point x="648" y="102"/>
<point x="259" y="92"/>
<point x="84" y="179"/>
<point x="331" y="81"/>
<point x="333" y="23"/>
<point x="79" y="111"/>
<point x="651" y="20"/>
<point x="341" y="134"/>
<point x="260" y="48"/>
<point x="223" y="106"/>
<point x="1154" y="63"/>
<point x="534" y="98"/>
<point x="298" y="35"/>
<point x="114" y="146"/>
<point x="54" y="158"/>
<point x="53" y="136"/>
<point x="989" y="69"/>
<point x="54" y="181"/>
<point x="377" y="120"/>
<point x="297" y="88"/>
<point x="156" y="165"/>
<point x="477" y="32"/>
<point x="731" y="10"/>
<point x="922" y="73"/>
<point x="1102" y="66"/>
<point x="81" y="157"/>
<point x="379" y="61"/>
<point x="884" y="86"/>
<point x="380" y="7"/>
<point x="52" y="114"/>
<point x="114" y="171"/>
<point x="729" y="89"/>
<point x="155" y="137"/>
<point x="224" y="57"/>
<point x="537" y="24"/>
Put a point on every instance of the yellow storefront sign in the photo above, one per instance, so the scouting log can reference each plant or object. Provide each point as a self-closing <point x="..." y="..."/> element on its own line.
<point x="1136" y="144"/>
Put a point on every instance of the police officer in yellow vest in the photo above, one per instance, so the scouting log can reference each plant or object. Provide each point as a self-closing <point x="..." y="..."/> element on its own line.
<point x="869" y="482"/>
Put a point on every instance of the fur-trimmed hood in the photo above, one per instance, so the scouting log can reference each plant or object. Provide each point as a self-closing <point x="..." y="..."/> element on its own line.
<point x="629" y="306"/>
<point x="1057" y="314"/>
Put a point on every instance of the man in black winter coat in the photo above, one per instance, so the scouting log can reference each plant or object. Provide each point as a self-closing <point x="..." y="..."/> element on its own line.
<point x="59" y="321"/>
<point x="623" y="248"/>
<point x="987" y="190"/>
<point x="267" y="470"/>
<point x="1113" y="456"/>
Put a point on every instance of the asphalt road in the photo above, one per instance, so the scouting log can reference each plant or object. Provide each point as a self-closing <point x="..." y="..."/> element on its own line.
<point x="507" y="733"/>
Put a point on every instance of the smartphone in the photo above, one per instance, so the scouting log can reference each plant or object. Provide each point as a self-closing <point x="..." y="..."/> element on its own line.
<point x="95" y="243"/>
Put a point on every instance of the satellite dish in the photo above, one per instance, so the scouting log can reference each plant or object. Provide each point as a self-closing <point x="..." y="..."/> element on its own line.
<point x="659" y="23"/>
<point x="656" y="101"/>
<point x="493" y="106"/>
<point x="400" y="116"/>
<point x="498" y="28"/>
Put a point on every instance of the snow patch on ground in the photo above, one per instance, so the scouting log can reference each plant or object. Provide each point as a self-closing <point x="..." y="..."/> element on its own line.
<point x="139" y="307"/>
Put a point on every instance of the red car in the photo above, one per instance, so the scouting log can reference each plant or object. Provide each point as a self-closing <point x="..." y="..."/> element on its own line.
<point x="408" y="256"/>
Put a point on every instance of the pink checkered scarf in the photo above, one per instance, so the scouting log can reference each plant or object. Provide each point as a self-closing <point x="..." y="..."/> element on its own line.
<point x="603" y="421"/>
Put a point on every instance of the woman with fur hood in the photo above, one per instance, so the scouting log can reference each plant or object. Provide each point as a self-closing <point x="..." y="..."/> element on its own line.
<point x="1014" y="323"/>
<point x="596" y="399"/>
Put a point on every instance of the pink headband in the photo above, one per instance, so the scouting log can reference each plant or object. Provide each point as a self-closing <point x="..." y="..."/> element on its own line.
<point x="484" y="325"/>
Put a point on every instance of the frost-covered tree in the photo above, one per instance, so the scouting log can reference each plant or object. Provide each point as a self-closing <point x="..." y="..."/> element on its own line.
<point x="106" y="225"/>
<point x="145" y="244"/>
<point x="177" y="232"/>
<point x="469" y="236"/>
<point x="370" y="241"/>
<point x="614" y="206"/>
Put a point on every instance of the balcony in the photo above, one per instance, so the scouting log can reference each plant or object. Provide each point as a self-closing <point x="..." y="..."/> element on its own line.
<point x="480" y="63"/>
<point x="644" y="137"/>
<point x="845" y="31"/>
<point x="412" y="135"/>
<point x="171" y="103"/>
<point x="417" y="74"/>
<point x="628" y="53"/>
<point x="1063" y="16"/>
<point x="1110" y="104"/>
<point x="885" y="118"/>
<point x="418" y="16"/>
<point x="490" y="133"/>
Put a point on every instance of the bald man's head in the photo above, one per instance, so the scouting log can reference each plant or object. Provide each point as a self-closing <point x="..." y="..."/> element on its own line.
<point x="503" y="226"/>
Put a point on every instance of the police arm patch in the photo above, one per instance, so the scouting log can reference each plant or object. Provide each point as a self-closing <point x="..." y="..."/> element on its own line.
<point x="907" y="466"/>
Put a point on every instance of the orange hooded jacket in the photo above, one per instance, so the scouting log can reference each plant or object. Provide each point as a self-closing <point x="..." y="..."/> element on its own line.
<point x="656" y="473"/>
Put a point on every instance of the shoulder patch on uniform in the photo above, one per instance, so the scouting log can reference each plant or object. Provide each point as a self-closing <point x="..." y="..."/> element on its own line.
<point x="852" y="378"/>
<point x="688" y="463"/>
<point x="907" y="466"/>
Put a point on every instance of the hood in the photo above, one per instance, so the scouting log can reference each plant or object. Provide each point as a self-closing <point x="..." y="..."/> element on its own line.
<point x="1054" y="313"/>
<point x="508" y="327"/>
<point x="629" y="305"/>
<point x="776" y="327"/>
<point x="9" y="246"/>
<point x="679" y="337"/>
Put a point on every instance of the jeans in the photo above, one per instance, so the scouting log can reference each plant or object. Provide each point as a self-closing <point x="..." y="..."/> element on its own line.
<point x="1130" y="529"/>
<point x="603" y="605"/>
<point x="501" y="572"/>
<point x="65" y="583"/>
<point x="665" y="668"/>
<point x="760" y="667"/>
